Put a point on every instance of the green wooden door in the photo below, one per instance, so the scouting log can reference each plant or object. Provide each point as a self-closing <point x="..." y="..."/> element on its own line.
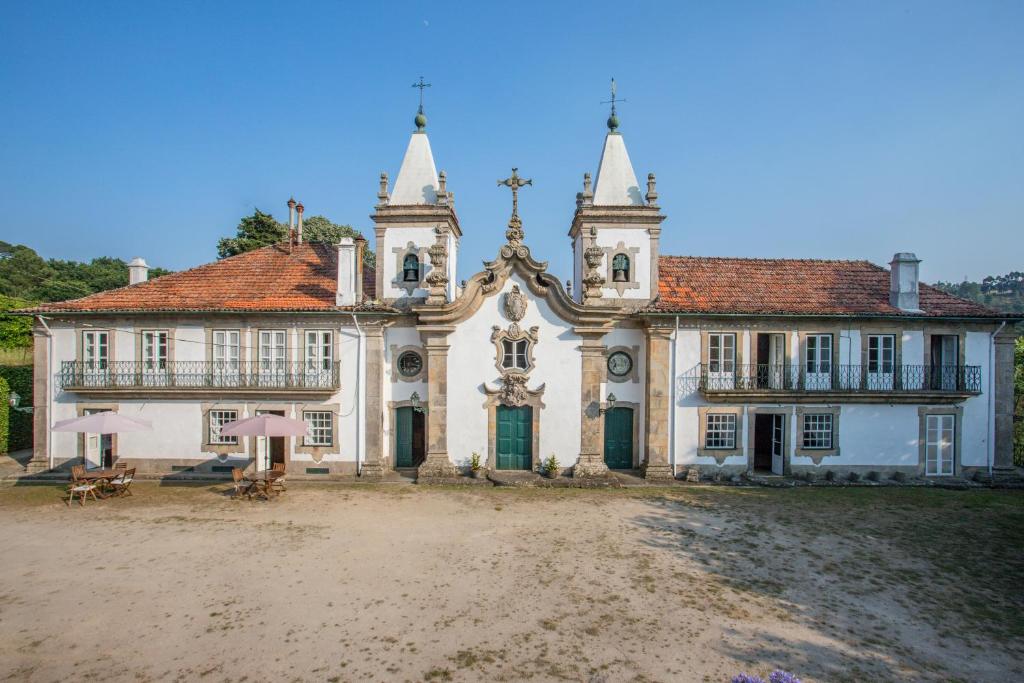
<point x="618" y="438"/>
<point x="515" y="438"/>
<point x="403" y="437"/>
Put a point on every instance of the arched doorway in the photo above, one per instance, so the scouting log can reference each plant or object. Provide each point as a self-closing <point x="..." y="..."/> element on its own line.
<point x="618" y="438"/>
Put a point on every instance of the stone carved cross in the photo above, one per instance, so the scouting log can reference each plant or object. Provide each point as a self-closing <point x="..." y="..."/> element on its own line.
<point x="515" y="182"/>
<point x="421" y="85"/>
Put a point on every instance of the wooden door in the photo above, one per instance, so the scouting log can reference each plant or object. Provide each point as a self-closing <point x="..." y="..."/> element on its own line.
<point x="514" y="438"/>
<point x="403" y="437"/>
<point x="618" y="438"/>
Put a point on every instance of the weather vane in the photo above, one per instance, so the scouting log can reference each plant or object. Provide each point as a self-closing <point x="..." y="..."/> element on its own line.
<point x="515" y="182"/>
<point x="421" y="85"/>
<point x="613" y="120"/>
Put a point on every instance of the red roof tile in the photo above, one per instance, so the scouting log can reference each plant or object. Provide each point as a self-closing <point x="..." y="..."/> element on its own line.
<point x="266" y="279"/>
<point x="697" y="284"/>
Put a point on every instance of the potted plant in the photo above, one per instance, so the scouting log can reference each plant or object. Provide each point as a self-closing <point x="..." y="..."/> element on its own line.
<point x="549" y="468"/>
<point x="476" y="470"/>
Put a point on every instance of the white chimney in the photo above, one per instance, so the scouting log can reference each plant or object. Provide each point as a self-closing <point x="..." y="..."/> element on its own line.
<point x="346" y="294"/>
<point x="298" y="231"/>
<point x="138" y="271"/>
<point x="903" y="279"/>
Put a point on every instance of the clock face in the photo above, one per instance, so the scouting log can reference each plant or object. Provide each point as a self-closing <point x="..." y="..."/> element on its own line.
<point x="619" y="364"/>
<point x="410" y="364"/>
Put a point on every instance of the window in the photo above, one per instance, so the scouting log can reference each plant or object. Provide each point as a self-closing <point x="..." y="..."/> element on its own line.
<point x="219" y="418"/>
<point x="319" y="350"/>
<point x="409" y="364"/>
<point x="321" y="428"/>
<point x="818" y="430"/>
<point x="272" y="349"/>
<point x="514" y="352"/>
<point x="721" y="431"/>
<point x="95" y="350"/>
<point x="154" y="349"/>
<point x="411" y="268"/>
<point x="939" y="444"/>
<point x="620" y="364"/>
<point x="881" y="353"/>
<point x="225" y="349"/>
<point x="819" y="354"/>
<point x="722" y="352"/>
<point x="620" y="268"/>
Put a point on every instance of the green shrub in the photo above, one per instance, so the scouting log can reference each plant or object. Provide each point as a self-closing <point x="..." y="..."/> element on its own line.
<point x="4" y="414"/>
<point x="19" y="426"/>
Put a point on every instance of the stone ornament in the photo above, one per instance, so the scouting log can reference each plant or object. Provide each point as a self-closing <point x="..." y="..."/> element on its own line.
<point x="438" y="276"/>
<point x="515" y="304"/>
<point x="513" y="390"/>
<point x="593" y="280"/>
<point x="514" y="333"/>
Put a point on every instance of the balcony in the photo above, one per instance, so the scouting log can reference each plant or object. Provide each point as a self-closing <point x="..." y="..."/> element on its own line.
<point x="188" y="378"/>
<point x="849" y="383"/>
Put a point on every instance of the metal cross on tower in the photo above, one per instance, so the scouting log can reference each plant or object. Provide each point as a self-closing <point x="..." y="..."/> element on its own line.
<point x="421" y="85"/>
<point x="515" y="182"/>
<point x="613" y="120"/>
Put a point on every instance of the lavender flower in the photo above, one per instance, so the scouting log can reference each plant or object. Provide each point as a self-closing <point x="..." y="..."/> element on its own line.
<point x="780" y="676"/>
<point x="747" y="678"/>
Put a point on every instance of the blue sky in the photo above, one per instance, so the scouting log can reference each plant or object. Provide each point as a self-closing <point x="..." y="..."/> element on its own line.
<point x="814" y="129"/>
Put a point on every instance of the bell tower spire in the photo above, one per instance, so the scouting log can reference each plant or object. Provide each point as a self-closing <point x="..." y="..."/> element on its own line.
<point x="416" y="216"/>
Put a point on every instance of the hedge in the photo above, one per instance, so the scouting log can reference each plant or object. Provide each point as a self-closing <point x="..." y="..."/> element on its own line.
<point x="18" y="424"/>
<point x="4" y="410"/>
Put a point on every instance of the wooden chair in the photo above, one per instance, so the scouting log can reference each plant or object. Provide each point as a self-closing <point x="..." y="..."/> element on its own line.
<point x="80" y="486"/>
<point x="275" y="481"/>
<point x="122" y="483"/>
<point x="243" y="487"/>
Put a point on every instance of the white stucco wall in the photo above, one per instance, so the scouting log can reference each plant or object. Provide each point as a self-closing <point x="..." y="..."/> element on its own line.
<point x="399" y="238"/>
<point x="640" y="262"/>
<point x="471" y="362"/>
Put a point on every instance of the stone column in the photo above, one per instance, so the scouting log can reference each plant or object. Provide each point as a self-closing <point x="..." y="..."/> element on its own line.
<point x="591" y="460"/>
<point x="40" y="461"/>
<point x="437" y="465"/>
<point x="373" y="447"/>
<point x="659" y="384"/>
<point x="1003" y="374"/>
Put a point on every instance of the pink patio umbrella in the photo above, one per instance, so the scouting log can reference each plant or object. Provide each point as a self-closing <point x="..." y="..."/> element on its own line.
<point x="107" y="422"/>
<point x="265" y="425"/>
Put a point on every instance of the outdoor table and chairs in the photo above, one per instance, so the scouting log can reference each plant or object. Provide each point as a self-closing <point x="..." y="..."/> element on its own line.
<point x="266" y="484"/>
<point x="100" y="484"/>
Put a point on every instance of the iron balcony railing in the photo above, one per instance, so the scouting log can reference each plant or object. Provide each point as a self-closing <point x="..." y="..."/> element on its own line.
<point x="171" y="375"/>
<point x="724" y="377"/>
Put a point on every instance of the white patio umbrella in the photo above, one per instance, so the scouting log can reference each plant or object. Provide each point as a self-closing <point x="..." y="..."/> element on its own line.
<point x="107" y="422"/>
<point x="265" y="425"/>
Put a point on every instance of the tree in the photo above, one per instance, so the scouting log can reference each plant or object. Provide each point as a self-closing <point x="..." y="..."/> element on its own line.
<point x="262" y="229"/>
<point x="321" y="229"/>
<point x="255" y="231"/>
<point x="15" y="330"/>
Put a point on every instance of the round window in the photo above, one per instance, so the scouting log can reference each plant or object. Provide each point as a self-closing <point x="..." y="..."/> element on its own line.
<point x="620" y="364"/>
<point x="410" y="364"/>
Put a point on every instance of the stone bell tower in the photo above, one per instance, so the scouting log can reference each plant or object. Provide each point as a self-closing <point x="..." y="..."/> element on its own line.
<point x="417" y="215"/>
<point x="616" y="229"/>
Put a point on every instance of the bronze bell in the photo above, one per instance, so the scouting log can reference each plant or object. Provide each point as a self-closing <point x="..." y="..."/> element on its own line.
<point x="619" y="275"/>
<point x="412" y="275"/>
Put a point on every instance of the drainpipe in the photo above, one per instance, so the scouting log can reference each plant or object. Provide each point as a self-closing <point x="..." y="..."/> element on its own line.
<point x="360" y="395"/>
<point x="672" y="403"/>
<point x="49" y="389"/>
<point x="991" y="427"/>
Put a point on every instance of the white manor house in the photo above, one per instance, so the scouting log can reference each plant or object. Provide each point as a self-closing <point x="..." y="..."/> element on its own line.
<point x="644" y="361"/>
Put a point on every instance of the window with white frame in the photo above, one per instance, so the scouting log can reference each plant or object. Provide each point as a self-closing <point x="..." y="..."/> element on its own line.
<point x="321" y="428"/>
<point x="225" y="349"/>
<point x="819" y="354"/>
<point x="95" y="350"/>
<point x="720" y="431"/>
<point x="219" y="418"/>
<point x="940" y="444"/>
<point x="154" y="349"/>
<point x="514" y="354"/>
<point x="319" y="349"/>
<point x="721" y="352"/>
<point x="818" y="430"/>
<point x="272" y="349"/>
<point x="881" y="353"/>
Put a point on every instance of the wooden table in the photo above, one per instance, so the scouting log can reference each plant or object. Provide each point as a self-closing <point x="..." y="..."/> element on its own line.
<point x="261" y="484"/>
<point x="100" y="476"/>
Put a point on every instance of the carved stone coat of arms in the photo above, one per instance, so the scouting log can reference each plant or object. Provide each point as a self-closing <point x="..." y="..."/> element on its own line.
<point x="515" y="304"/>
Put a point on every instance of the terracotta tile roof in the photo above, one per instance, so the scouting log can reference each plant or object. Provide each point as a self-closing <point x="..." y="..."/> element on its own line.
<point x="698" y="284"/>
<point x="266" y="279"/>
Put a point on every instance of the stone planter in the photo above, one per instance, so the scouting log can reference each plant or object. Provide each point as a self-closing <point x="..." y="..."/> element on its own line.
<point x="478" y="474"/>
<point x="549" y="474"/>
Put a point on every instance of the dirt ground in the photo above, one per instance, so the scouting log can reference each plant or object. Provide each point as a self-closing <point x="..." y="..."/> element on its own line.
<point x="412" y="584"/>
